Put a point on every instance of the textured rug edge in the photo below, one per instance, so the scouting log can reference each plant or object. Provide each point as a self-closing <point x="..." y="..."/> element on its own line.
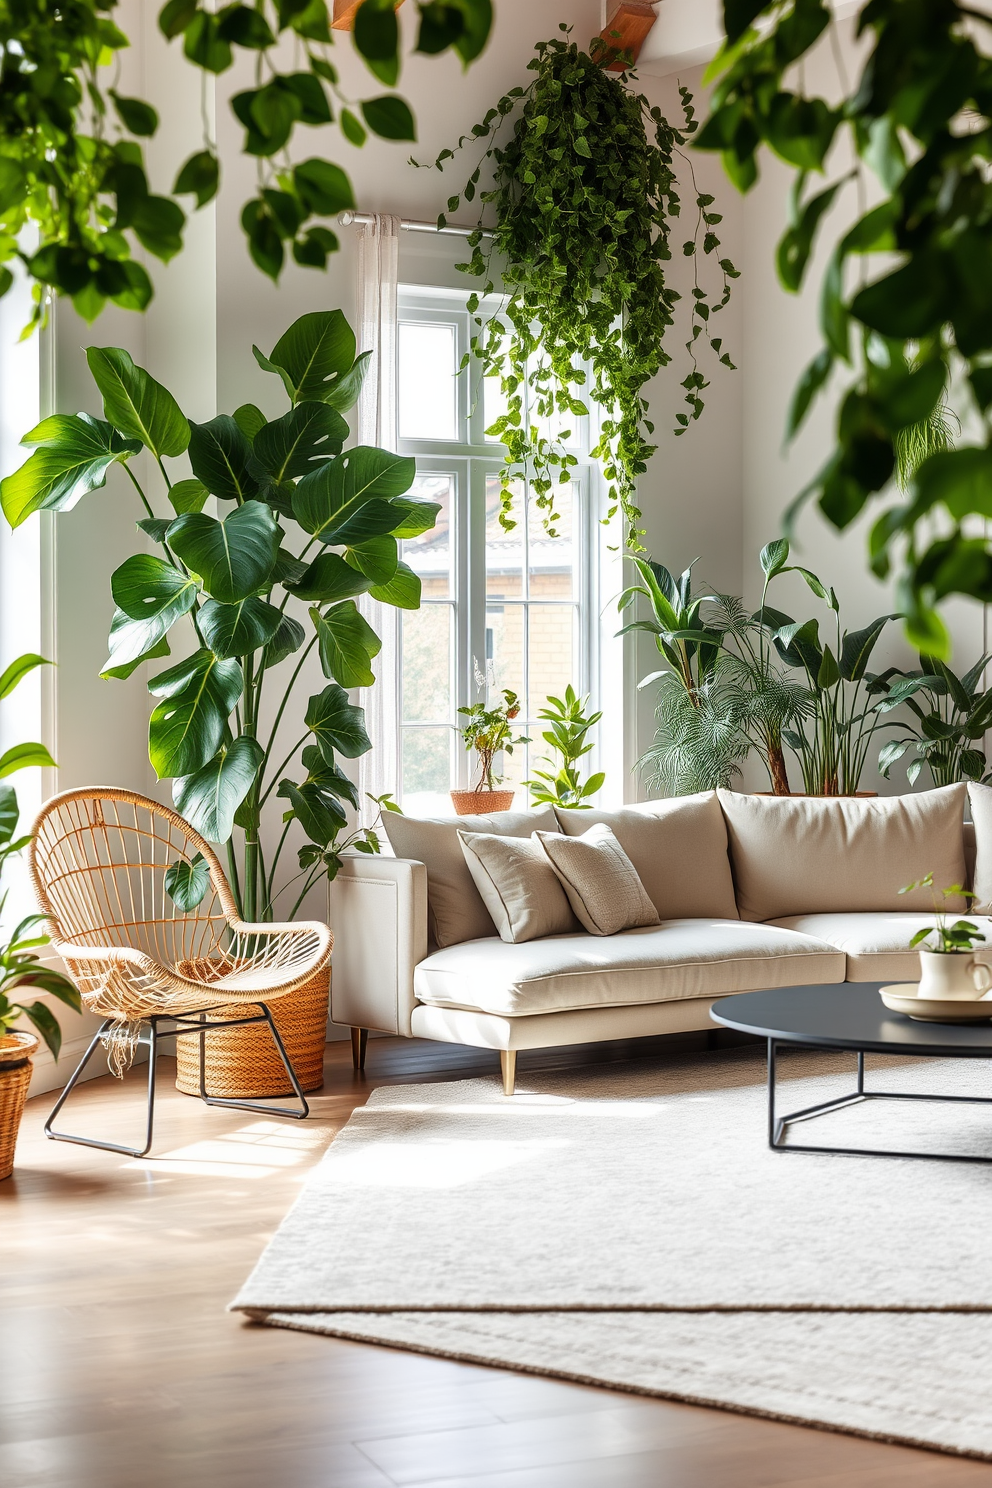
<point x="293" y="1322"/>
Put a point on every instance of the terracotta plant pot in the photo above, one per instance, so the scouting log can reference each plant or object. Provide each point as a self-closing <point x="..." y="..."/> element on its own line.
<point x="481" y="802"/>
<point x="16" y="1050"/>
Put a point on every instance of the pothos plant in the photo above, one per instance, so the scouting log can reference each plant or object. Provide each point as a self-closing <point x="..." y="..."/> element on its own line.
<point x="585" y="194"/>
<point x="248" y="596"/>
<point x="71" y="162"/>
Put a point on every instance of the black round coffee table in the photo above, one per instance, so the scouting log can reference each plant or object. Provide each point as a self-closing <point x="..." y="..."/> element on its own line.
<point x="851" y="1016"/>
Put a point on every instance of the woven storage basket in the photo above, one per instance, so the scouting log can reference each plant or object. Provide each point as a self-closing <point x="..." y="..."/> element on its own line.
<point x="16" y="1050"/>
<point x="243" y="1064"/>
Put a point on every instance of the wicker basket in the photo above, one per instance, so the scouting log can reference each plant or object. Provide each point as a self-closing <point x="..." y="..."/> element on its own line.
<point x="16" y="1050"/>
<point x="243" y="1064"/>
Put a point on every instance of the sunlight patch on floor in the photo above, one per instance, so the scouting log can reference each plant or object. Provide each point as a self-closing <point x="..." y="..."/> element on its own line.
<point x="255" y="1151"/>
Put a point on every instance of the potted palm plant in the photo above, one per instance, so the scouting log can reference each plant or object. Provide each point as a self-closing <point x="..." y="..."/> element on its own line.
<point x="488" y="732"/>
<point x="22" y="973"/>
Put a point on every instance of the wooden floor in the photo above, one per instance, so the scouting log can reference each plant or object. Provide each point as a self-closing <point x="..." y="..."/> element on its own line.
<point x="119" y="1367"/>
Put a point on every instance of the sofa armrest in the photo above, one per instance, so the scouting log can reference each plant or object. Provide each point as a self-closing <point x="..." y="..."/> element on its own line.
<point x="377" y="908"/>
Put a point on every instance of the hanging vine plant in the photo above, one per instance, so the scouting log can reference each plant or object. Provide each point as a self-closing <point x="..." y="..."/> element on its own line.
<point x="585" y="195"/>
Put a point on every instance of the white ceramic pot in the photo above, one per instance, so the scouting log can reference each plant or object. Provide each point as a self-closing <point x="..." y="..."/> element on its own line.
<point x="953" y="975"/>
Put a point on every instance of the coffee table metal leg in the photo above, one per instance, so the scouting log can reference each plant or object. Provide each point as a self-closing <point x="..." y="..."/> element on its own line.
<point x="777" y="1125"/>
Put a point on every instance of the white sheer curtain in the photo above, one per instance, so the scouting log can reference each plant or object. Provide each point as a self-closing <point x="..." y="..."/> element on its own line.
<point x="378" y="256"/>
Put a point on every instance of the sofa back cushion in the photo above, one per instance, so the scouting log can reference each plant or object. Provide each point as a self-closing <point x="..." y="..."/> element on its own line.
<point x="455" y="911"/>
<point x="679" y="849"/>
<point x="837" y="854"/>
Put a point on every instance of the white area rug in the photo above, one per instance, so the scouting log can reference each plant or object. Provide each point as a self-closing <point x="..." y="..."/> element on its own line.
<point x="630" y="1227"/>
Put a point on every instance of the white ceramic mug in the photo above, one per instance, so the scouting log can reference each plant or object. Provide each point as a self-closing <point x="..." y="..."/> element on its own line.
<point x="954" y="975"/>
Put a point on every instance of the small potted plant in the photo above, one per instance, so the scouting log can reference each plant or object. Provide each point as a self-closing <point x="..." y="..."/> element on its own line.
<point x="560" y="785"/>
<point x="488" y="731"/>
<point x="21" y="971"/>
<point x="949" y="968"/>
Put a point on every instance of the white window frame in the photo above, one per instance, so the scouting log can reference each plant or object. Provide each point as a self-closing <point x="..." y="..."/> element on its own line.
<point x="468" y="462"/>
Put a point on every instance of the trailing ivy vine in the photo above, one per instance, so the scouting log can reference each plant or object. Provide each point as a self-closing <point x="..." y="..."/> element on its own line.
<point x="585" y="196"/>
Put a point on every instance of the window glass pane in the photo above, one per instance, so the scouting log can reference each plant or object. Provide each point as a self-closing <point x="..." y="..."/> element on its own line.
<point x="427" y="767"/>
<point x="553" y="560"/>
<point x="504" y="550"/>
<point x="505" y="649"/>
<point x="426" y="664"/>
<point x="427" y="389"/>
<point x="429" y="555"/>
<point x="551" y="653"/>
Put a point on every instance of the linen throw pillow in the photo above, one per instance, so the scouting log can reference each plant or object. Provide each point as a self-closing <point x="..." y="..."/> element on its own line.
<point x="795" y="855"/>
<point x="518" y="885"/>
<point x="600" y="880"/>
<point x="455" y="909"/>
<point x="679" y="849"/>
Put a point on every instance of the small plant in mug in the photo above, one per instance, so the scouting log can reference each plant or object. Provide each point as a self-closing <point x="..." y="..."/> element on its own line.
<point x="961" y="937"/>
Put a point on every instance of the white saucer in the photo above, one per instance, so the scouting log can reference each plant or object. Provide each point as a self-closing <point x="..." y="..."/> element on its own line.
<point x="903" y="997"/>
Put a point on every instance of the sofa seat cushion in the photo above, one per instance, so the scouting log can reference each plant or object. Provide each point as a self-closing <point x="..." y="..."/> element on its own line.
<point x="659" y="963"/>
<point x="876" y="945"/>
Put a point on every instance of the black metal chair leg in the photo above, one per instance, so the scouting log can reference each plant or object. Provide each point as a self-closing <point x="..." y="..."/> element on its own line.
<point x="245" y="1105"/>
<point x="59" y="1136"/>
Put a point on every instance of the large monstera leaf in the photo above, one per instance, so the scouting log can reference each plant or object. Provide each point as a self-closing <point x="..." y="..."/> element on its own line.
<point x="220" y="455"/>
<point x="347" y="501"/>
<point x="237" y="629"/>
<point x="151" y="595"/>
<point x="136" y="404"/>
<point x="347" y="644"/>
<point x="299" y="442"/>
<point x="233" y="558"/>
<point x="209" y="797"/>
<point x="189" y="725"/>
<point x="73" y="457"/>
<point x="337" y="725"/>
<point x="314" y="359"/>
<point x="329" y="579"/>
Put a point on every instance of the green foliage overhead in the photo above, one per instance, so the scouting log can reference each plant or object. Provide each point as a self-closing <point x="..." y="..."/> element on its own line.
<point x="71" y="161"/>
<point x="907" y="295"/>
<point x="585" y="193"/>
<point x="307" y="528"/>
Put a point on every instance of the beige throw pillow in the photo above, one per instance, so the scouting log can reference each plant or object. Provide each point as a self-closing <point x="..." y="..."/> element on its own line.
<point x="455" y="909"/>
<point x="519" y="887"/>
<point x="679" y="849"/>
<point x="794" y="855"/>
<point x="600" y="880"/>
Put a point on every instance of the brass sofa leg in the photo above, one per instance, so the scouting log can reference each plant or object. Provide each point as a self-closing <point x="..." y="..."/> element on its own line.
<point x="359" y="1043"/>
<point x="508" y="1064"/>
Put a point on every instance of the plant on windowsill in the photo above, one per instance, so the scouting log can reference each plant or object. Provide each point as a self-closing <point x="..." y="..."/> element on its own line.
<point x="586" y="198"/>
<point x="567" y="738"/>
<point x="22" y="973"/>
<point x="488" y="732"/>
<point x="309" y="528"/>
<point x="949" y="969"/>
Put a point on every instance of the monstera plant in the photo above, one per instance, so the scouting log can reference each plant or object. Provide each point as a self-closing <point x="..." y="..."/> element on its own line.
<point x="244" y="597"/>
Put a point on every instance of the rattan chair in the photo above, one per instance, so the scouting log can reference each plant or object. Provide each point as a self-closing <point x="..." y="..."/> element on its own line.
<point x="99" y="860"/>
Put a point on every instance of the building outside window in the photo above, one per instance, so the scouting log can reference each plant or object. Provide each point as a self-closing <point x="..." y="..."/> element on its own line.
<point x="499" y="609"/>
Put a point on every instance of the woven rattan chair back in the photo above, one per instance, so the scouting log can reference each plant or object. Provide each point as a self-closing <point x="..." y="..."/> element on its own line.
<point x="101" y="864"/>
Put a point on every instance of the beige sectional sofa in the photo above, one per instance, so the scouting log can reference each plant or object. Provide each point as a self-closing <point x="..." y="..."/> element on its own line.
<point x="752" y="892"/>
